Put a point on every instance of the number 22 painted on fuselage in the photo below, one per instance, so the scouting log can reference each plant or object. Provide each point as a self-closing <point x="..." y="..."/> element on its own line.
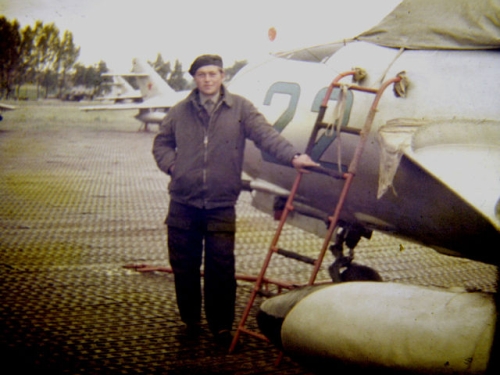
<point x="293" y="90"/>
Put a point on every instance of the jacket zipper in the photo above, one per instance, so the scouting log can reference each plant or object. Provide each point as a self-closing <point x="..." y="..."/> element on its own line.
<point x="205" y="157"/>
<point x="205" y="162"/>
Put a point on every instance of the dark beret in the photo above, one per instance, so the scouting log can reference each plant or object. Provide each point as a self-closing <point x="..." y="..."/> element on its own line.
<point x="204" y="60"/>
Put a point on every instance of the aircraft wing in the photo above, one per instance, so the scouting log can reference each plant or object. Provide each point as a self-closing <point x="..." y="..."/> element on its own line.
<point x="125" y="74"/>
<point x="125" y="106"/>
<point x="161" y="102"/>
<point x="118" y="98"/>
<point x="6" y="107"/>
<point x="464" y="155"/>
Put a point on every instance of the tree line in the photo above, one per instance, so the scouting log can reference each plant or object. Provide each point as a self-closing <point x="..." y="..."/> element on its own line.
<point x="36" y="55"/>
<point x="42" y="57"/>
<point x="175" y="77"/>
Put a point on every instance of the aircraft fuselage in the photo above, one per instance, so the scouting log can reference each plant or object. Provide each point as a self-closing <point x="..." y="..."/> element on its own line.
<point x="444" y="158"/>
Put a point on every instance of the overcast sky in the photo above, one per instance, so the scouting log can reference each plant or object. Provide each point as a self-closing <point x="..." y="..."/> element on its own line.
<point x="115" y="31"/>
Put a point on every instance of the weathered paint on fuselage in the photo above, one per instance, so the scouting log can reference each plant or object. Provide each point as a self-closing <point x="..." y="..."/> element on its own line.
<point x="427" y="204"/>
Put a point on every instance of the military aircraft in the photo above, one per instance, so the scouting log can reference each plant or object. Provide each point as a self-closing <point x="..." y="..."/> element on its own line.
<point x="157" y="95"/>
<point x="419" y="92"/>
<point x="5" y="107"/>
<point x="432" y="155"/>
<point x="121" y="91"/>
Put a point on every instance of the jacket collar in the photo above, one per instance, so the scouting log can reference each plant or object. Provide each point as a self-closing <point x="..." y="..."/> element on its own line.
<point x="225" y="96"/>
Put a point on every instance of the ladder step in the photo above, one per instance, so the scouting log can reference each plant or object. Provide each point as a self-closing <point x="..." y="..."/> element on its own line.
<point x="296" y="256"/>
<point x="327" y="171"/>
<point x="343" y="129"/>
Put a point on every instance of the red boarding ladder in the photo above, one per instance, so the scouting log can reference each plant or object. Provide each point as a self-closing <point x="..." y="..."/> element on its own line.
<point x="347" y="177"/>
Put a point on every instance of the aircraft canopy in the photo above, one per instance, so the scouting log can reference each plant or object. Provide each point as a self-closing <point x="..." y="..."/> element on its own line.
<point x="442" y="24"/>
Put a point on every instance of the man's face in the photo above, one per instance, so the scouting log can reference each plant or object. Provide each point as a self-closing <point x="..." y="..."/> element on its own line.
<point x="209" y="79"/>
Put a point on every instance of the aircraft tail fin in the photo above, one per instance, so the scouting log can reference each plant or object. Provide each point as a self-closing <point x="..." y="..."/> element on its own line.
<point x="120" y="89"/>
<point x="150" y="82"/>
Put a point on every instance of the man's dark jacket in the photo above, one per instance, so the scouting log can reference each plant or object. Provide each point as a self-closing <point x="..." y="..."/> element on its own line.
<point x="208" y="151"/>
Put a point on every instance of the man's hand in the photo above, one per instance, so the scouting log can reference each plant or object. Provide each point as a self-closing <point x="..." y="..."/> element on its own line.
<point x="303" y="161"/>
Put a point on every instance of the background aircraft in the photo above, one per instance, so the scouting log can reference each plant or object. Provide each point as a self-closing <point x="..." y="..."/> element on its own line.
<point x="121" y="91"/>
<point x="157" y="95"/>
<point x="429" y="172"/>
<point x="5" y="107"/>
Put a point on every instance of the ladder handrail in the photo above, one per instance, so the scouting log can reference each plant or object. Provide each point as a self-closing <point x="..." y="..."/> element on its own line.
<point x="323" y="107"/>
<point x="369" y="121"/>
<point x="352" y="168"/>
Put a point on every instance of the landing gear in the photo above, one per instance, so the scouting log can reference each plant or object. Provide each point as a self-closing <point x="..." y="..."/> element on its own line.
<point x="343" y="268"/>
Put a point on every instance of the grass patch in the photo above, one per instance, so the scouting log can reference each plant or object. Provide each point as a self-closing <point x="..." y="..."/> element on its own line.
<point x="50" y="115"/>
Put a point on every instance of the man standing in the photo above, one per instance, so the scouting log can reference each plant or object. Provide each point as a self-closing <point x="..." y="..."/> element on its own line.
<point x="201" y="145"/>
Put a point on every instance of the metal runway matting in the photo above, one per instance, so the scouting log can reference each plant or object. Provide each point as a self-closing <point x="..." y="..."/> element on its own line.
<point x="80" y="202"/>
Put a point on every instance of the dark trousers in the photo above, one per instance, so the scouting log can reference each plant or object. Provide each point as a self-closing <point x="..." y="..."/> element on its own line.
<point x="193" y="232"/>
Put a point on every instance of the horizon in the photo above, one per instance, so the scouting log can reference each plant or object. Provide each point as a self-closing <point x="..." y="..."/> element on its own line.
<point x="120" y="31"/>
